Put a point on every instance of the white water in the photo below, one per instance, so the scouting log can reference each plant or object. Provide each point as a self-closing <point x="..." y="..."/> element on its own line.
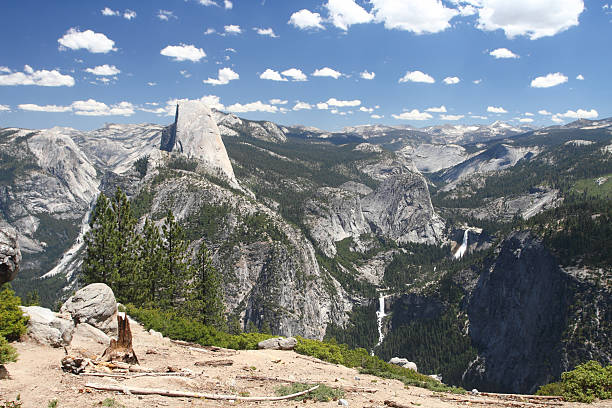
<point x="461" y="251"/>
<point x="380" y="314"/>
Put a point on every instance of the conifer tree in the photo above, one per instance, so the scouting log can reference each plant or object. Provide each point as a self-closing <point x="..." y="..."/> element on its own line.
<point x="206" y="300"/>
<point x="176" y="274"/>
<point x="151" y="267"/>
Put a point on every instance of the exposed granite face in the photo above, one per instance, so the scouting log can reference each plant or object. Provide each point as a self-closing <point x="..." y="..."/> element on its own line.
<point x="517" y="315"/>
<point x="10" y="255"/>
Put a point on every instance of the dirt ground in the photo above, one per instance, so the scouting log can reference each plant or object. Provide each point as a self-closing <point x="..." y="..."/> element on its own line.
<point x="38" y="378"/>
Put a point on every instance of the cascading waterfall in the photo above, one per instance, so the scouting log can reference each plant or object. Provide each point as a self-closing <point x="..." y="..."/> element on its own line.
<point x="461" y="251"/>
<point x="380" y="314"/>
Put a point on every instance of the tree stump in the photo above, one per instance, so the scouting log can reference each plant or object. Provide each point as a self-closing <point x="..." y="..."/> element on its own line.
<point x="121" y="349"/>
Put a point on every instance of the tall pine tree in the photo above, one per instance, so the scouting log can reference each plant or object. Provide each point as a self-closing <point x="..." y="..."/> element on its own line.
<point x="206" y="300"/>
<point x="176" y="275"/>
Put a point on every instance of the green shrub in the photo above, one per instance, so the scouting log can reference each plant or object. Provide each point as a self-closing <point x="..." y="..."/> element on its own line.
<point x="12" y="321"/>
<point x="585" y="383"/>
<point x="553" y="389"/>
<point x="321" y="394"/>
<point x="8" y="354"/>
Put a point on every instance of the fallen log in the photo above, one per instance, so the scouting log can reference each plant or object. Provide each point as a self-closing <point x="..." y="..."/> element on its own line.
<point x="187" y="394"/>
<point x="148" y="374"/>
<point x="522" y="396"/>
<point x="214" y="363"/>
<point x="394" y="404"/>
<point x="502" y="403"/>
<point x="347" y="388"/>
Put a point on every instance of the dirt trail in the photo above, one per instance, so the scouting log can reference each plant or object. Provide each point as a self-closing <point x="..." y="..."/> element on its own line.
<point x="38" y="378"/>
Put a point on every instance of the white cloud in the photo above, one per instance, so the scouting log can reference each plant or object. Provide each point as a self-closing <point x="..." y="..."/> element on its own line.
<point x="228" y="4"/>
<point x="232" y="29"/>
<point x="45" y="108"/>
<point x="477" y="81"/>
<point x="327" y="72"/>
<point x="252" y="107"/>
<point x="151" y="83"/>
<point x="208" y="3"/>
<point x="417" y="76"/>
<point x="295" y="74"/>
<point x="210" y="31"/>
<point x="580" y="77"/>
<point x="413" y="115"/>
<point x="451" y="80"/>
<point x="165" y="15"/>
<point x="452" y="117"/>
<point x="225" y="76"/>
<point x="305" y="19"/>
<point x="344" y="13"/>
<point x="92" y="107"/>
<point x="278" y="101"/>
<point x="532" y="18"/>
<point x="265" y="31"/>
<point x="479" y="117"/>
<point x="185" y="73"/>
<point x="322" y="106"/>
<point x="549" y="80"/>
<point x="467" y="10"/>
<point x="529" y="114"/>
<point x="109" y="12"/>
<point x="441" y="109"/>
<point x="38" y="78"/>
<point x="5" y="108"/>
<point x="503" y="53"/>
<point x="525" y="120"/>
<point x="557" y="119"/>
<point x="579" y="114"/>
<point x="129" y="14"/>
<point x="183" y="52"/>
<point x="376" y="116"/>
<point x="272" y="75"/>
<point x="368" y="110"/>
<point x="496" y="109"/>
<point x="367" y="75"/>
<point x="104" y="70"/>
<point x="5" y="69"/>
<point x="423" y="16"/>
<point x="302" y="105"/>
<point x="544" y="112"/>
<point x="342" y="104"/>
<point x="212" y="101"/>
<point x="88" y="40"/>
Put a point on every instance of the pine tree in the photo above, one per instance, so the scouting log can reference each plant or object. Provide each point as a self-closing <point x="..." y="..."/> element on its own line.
<point x="151" y="266"/>
<point x="98" y="259"/>
<point x="206" y="300"/>
<point x="176" y="274"/>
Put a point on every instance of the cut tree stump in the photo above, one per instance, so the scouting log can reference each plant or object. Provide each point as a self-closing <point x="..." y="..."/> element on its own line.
<point x="121" y="349"/>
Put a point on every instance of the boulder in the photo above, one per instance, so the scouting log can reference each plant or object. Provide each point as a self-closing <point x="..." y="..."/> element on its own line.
<point x="48" y="327"/>
<point x="95" y="304"/>
<point x="10" y="255"/>
<point x="88" y="332"/>
<point x="278" y="343"/>
<point x="403" y="362"/>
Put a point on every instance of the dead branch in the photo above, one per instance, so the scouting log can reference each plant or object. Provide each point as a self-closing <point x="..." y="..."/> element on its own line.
<point x="522" y="396"/>
<point x="394" y="404"/>
<point x="214" y="363"/>
<point x="114" y="375"/>
<point x="347" y="388"/>
<point x="171" y="393"/>
<point x="501" y="403"/>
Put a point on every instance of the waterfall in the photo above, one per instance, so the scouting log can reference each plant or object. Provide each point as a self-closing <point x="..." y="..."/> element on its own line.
<point x="461" y="251"/>
<point x="380" y="314"/>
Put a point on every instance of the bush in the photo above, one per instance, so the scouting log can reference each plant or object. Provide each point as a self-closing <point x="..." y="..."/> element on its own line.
<point x="12" y="321"/>
<point x="587" y="382"/>
<point x="7" y="353"/>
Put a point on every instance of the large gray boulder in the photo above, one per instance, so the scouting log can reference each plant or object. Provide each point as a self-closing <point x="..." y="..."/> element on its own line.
<point x="10" y="255"/>
<point x="84" y="331"/>
<point x="278" y="343"/>
<point x="403" y="362"/>
<point x="48" y="327"/>
<point x="95" y="304"/>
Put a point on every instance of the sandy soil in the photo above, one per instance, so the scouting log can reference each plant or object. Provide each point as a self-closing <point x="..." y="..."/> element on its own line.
<point x="38" y="378"/>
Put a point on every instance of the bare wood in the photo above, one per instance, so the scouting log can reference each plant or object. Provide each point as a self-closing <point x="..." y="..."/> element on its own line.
<point x="394" y="404"/>
<point x="121" y="349"/>
<point x="501" y="402"/>
<point x="214" y="363"/>
<point x="199" y="347"/>
<point x="150" y="374"/>
<point x="171" y="393"/>
<point x="347" y="388"/>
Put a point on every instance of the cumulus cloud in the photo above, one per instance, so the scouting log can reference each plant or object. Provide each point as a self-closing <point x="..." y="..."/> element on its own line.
<point x="301" y="106"/>
<point x="183" y="52"/>
<point x="109" y="12"/>
<point x="306" y="19"/>
<point x="549" y="80"/>
<point x="367" y="75"/>
<point x="525" y="120"/>
<point x="413" y="115"/>
<point x="265" y="31"/>
<point x="496" y="109"/>
<point x="477" y="81"/>
<point x="500" y="53"/>
<point x="228" y="4"/>
<point x="580" y="77"/>
<point x="322" y="106"/>
<point x="5" y="108"/>
<point x="225" y="76"/>
<point x="104" y="70"/>
<point x="423" y="16"/>
<point x="295" y="74"/>
<point x="451" y="80"/>
<point x="44" y="108"/>
<point x="342" y="104"/>
<point x="368" y="110"/>
<point x="544" y="112"/>
<point x="210" y="31"/>
<point x="212" y="101"/>
<point x="529" y="114"/>
<point x="257" y="106"/>
<point x="5" y="69"/>
<point x="344" y="13"/>
<point x="579" y="114"/>
<point x="92" y="107"/>
<point x="129" y="14"/>
<point x="232" y="29"/>
<point x="452" y="117"/>
<point x="208" y="3"/>
<point x="376" y="116"/>
<point x="441" y="109"/>
<point x="88" y="40"/>
<point x="417" y="76"/>
<point x="165" y="15"/>
<point x="532" y="18"/>
<point x="278" y="101"/>
<point x="272" y="75"/>
<point x="38" y="78"/>
<point x="479" y="117"/>
<point x="327" y="72"/>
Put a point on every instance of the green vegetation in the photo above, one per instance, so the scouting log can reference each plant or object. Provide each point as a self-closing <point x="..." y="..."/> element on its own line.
<point x="141" y="165"/>
<point x="16" y="403"/>
<point x="8" y="354"/>
<point x="12" y="321"/>
<point x="600" y="187"/>
<point x="52" y="403"/>
<point x="586" y="383"/>
<point x="321" y="394"/>
<point x="110" y="402"/>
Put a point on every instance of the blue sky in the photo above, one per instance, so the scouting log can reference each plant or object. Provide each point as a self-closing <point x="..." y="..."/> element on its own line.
<point x="323" y="63"/>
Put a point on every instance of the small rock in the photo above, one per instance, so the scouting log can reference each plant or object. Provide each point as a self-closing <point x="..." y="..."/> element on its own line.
<point x="89" y="332"/>
<point x="4" y="374"/>
<point x="343" y="402"/>
<point x="357" y="378"/>
<point x="156" y="334"/>
<point x="474" y="392"/>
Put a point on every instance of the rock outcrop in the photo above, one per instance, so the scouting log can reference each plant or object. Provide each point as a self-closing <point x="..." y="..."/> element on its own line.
<point x="95" y="304"/>
<point x="47" y="327"/>
<point x="10" y="255"/>
<point x="403" y="362"/>
<point x="278" y="343"/>
<point x="517" y="315"/>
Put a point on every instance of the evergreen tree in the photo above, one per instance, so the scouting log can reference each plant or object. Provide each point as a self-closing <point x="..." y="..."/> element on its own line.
<point x="206" y="300"/>
<point x="98" y="259"/>
<point x="151" y="266"/>
<point x="176" y="273"/>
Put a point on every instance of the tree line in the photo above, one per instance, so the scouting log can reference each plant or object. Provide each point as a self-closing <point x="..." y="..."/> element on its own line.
<point x="150" y="265"/>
